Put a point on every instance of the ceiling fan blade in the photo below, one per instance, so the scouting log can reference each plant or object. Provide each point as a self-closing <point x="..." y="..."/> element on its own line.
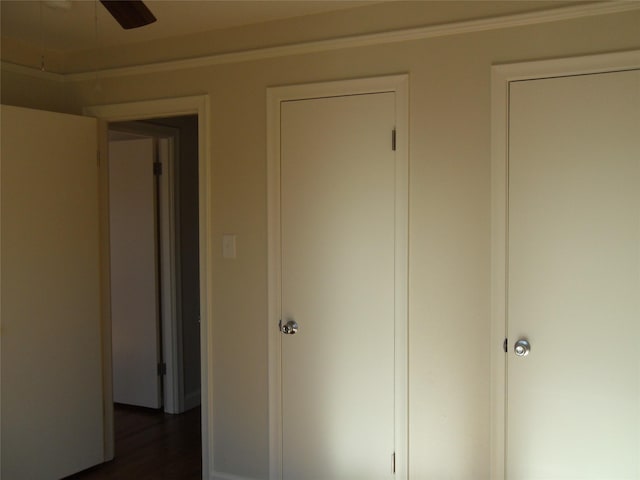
<point x="129" y="13"/>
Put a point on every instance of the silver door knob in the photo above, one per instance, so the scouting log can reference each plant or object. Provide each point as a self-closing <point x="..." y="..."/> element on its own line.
<point x="289" y="328"/>
<point x="522" y="348"/>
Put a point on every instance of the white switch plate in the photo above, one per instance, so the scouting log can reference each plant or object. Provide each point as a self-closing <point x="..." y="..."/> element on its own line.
<point x="228" y="246"/>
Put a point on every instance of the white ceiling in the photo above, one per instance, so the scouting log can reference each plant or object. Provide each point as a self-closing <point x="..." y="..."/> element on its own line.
<point x="69" y="25"/>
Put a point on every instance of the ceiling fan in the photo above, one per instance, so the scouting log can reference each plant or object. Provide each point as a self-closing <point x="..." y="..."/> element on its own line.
<point x="129" y="13"/>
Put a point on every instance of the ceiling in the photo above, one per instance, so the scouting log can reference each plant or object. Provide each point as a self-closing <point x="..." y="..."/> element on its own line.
<point x="73" y="25"/>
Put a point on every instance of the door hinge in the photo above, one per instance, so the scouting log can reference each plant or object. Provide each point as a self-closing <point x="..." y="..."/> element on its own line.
<point x="157" y="168"/>
<point x="393" y="139"/>
<point x="505" y="345"/>
<point x="393" y="463"/>
<point x="162" y="369"/>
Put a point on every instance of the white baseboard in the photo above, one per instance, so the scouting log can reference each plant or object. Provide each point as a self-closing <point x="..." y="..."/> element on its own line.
<point x="228" y="476"/>
<point x="191" y="400"/>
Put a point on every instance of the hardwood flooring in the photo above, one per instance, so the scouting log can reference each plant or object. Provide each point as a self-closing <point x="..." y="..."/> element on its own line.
<point x="152" y="445"/>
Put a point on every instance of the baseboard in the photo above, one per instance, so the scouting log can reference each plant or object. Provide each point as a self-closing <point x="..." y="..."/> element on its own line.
<point x="192" y="400"/>
<point x="228" y="476"/>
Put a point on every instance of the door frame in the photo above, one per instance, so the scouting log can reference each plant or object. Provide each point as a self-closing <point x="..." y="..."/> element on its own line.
<point x="398" y="84"/>
<point x="171" y="319"/>
<point x="501" y="78"/>
<point x="143" y="110"/>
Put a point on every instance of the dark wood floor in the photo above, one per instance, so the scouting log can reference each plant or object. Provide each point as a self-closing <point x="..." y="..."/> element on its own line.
<point x="152" y="445"/>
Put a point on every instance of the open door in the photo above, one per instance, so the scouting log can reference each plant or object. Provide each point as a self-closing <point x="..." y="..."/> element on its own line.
<point x="135" y="308"/>
<point x="51" y="351"/>
<point x="574" y="277"/>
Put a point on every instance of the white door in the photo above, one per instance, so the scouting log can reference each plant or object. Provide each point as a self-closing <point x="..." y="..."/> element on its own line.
<point x="337" y="279"/>
<point x="51" y="346"/>
<point x="134" y="286"/>
<point x="573" y="402"/>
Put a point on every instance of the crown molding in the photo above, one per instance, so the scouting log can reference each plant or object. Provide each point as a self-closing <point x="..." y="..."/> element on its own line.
<point x="395" y="36"/>
<point x="31" y="72"/>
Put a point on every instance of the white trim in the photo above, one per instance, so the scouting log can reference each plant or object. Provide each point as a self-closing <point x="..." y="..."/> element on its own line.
<point x="354" y="41"/>
<point x="173" y="107"/>
<point x="1" y="106"/>
<point x="31" y="72"/>
<point x="402" y="279"/>
<point x="502" y="76"/>
<point x="173" y="381"/>
<point x="403" y="35"/>
<point x="148" y="109"/>
<point x="274" y="306"/>
<point x="105" y="290"/>
<point x="227" y="476"/>
<point x="563" y="67"/>
<point x="275" y="96"/>
<point x="498" y="271"/>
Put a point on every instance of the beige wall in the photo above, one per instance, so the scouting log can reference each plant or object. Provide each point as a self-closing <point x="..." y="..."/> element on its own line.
<point x="32" y="91"/>
<point x="449" y="223"/>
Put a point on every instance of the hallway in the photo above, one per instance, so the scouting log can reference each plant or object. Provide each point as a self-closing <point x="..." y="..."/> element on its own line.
<point x="152" y="445"/>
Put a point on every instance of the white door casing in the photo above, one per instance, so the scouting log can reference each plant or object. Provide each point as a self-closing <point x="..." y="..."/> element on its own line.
<point x="171" y="312"/>
<point x="52" y="400"/>
<point x="159" y="108"/>
<point x="337" y="201"/>
<point x="570" y="282"/>
<point x="134" y="273"/>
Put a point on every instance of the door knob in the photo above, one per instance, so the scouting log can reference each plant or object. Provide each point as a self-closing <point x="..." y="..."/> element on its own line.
<point x="522" y="348"/>
<point x="289" y="328"/>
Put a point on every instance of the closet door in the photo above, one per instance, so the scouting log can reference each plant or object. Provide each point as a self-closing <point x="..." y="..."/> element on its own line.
<point x="573" y="389"/>
<point x="338" y="263"/>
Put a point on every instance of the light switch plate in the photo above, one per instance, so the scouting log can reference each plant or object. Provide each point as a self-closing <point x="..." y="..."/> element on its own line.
<point x="228" y="246"/>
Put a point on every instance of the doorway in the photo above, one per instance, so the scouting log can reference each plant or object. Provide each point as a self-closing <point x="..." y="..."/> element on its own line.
<point x="154" y="263"/>
<point x="146" y="110"/>
<point x="153" y="195"/>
